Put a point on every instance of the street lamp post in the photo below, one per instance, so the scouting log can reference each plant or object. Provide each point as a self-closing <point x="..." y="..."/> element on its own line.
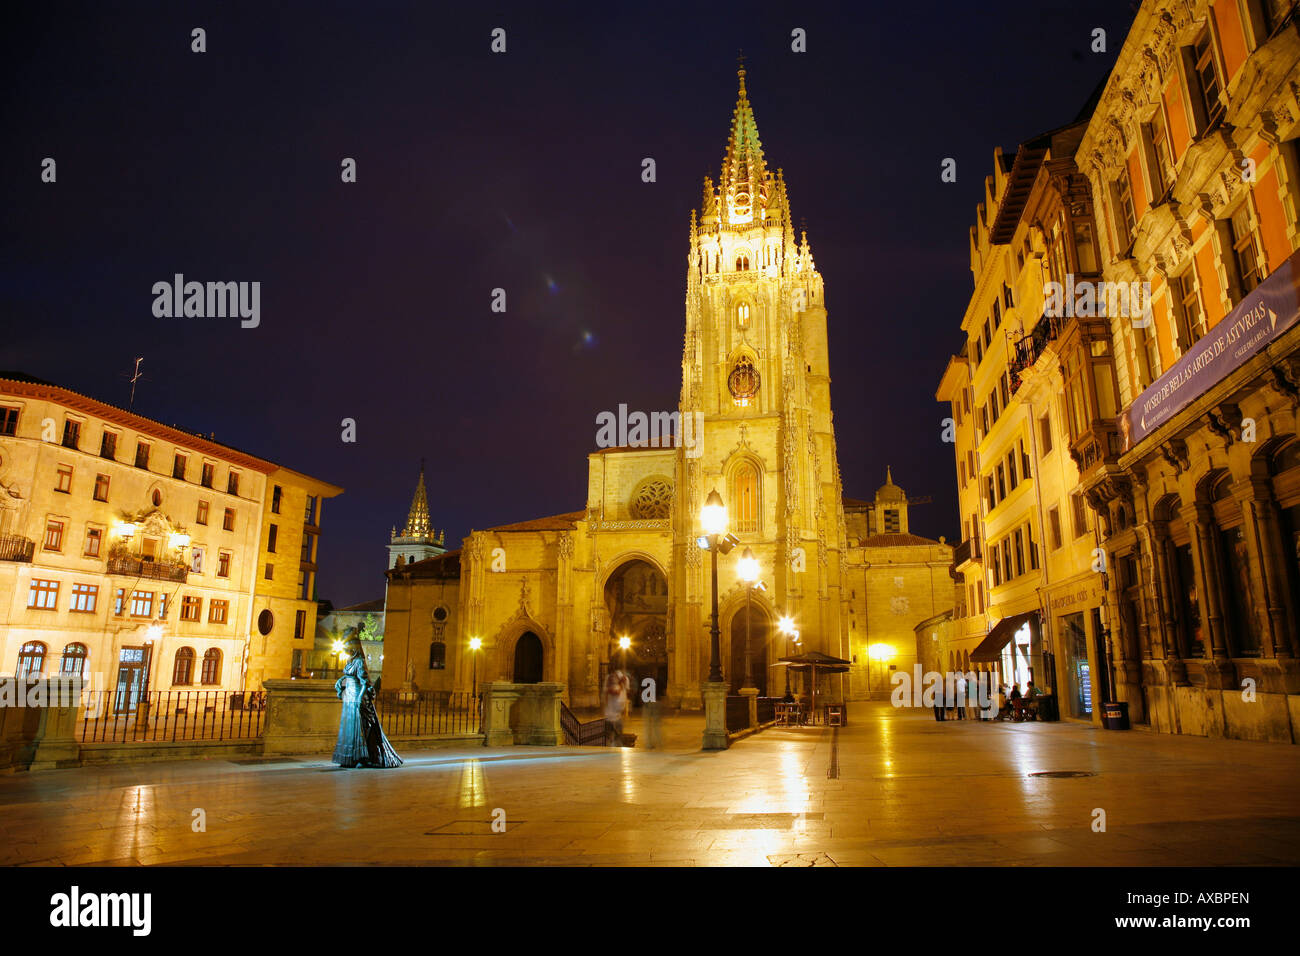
<point x="713" y="517"/>
<point x="786" y="626"/>
<point x="748" y="571"/>
<point x="474" y="644"/>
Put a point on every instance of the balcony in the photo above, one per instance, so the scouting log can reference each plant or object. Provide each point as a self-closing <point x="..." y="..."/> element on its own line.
<point x="966" y="554"/>
<point x="16" y="548"/>
<point x="1100" y="444"/>
<point x="154" y="570"/>
<point x="1047" y="330"/>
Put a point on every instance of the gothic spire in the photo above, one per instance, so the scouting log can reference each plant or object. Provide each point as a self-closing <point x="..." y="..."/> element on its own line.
<point x="417" y="520"/>
<point x="744" y="174"/>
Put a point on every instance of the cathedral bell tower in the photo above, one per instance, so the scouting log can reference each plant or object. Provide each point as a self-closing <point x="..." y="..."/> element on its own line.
<point x="418" y="539"/>
<point x="756" y="380"/>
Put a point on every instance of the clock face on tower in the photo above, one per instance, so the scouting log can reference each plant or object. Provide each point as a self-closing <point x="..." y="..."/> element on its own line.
<point x="743" y="381"/>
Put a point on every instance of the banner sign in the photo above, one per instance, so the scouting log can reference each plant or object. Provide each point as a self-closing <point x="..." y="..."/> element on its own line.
<point x="1258" y="319"/>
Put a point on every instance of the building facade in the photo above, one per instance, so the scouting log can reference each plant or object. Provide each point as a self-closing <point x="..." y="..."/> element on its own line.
<point x="1193" y="153"/>
<point x="135" y="554"/>
<point x="550" y="598"/>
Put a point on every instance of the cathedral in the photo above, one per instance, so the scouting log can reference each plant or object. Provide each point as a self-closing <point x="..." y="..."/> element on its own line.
<point x="551" y="599"/>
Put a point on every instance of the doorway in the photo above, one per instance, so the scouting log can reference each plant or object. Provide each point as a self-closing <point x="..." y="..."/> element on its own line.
<point x="756" y="620"/>
<point x="130" y="680"/>
<point x="528" y="659"/>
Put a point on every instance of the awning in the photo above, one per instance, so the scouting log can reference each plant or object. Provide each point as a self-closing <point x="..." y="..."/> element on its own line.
<point x="990" y="648"/>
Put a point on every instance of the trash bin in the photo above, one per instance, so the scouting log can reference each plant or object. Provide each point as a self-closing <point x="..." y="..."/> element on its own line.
<point x="1115" y="715"/>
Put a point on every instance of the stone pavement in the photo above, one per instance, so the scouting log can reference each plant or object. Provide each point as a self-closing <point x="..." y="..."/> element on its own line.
<point x="895" y="788"/>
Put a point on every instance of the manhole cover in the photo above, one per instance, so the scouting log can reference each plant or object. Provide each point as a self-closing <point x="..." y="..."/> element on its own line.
<point x="1063" y="773"/>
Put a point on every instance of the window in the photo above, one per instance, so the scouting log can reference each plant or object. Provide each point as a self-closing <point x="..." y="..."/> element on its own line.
<point x="990" y="493"/>
<point x="437" y="656"/>
<point x="995" y="565"/>
<point x="232" y="483"/>
<point x="101" y="488"/>
<point x="43" y="595"/>
<point x="71" y="433"/>
<point x="747" y="496"/>
<point x="1031" y="547"/>
<point x="1245" y="250"/>
<point x="142" y="604"/>
<point x="162" y="607"/>
<point x="228" y="522"/>
<point x="1025" y="471"/>
<point x="742" y="315"/>
<point x="1207" y="79"/>
<point x="119" y="602"/>
<point x="742" y="263"/>
<point x="178" y="467"/>
<point x="310" y="514"/>
<point x="8" y="420"/>
<point x="305" y="592"/>
<point x="223" y="564"/>
<point x="270" y="539"/>
<point x="31" y="659"/>
<point x="83" y="598"/>
<point x="275" y="499"/>
<point x="1124" y="207"/>
<point x="270" y="571"/>
<point x="1002" y="480"/>
<point x="307" y="541"/>
<point x="191" y="608"/>
<point x="53" y="535"/>
<point x="892" y="524"/>
<point x="217" y="611"/>
<point x="1012" y="479"/>
<point x="63" y="482"/>
<point x="94" y="537"/>
<point x="211" y="666"/>
<point x="1162" y="170"/>
<point x="1080" y="515"/>
<point x="300" y="625"/>
<point x="1018" y="548"/>
<point x="1006" y="559"/>
<point x="108" y="445"/>
<point x="1150" y="352"/>
<point x="202" y="517"/>
<point x="183" y="668"/>
<point x="209" y="470"/>
<point x="196" y="559"/>
<point x="1191" y="318"/>
<point x="73" y="662"/>
<point x="1054" y="527"/>
<point x="142" y="455"/>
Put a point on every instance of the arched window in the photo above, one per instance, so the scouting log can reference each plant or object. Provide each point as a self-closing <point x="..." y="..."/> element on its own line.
<point x="73" y="663"/>
<point x="747" y="498"/>
<point x="211" y="667"/>
<point x="742" y="262"/>
<point x="183" y="669"/>
<point x="437" y="656"/>
<point x="742" y="315"/>
<point x="31" y="659"/>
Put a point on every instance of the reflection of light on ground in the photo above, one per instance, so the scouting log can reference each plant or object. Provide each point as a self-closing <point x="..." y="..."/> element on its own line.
<point x="788" y="792"/>
<point x="629" y="778"/>
<point x="472" y="786"/>
<point x="135" y="813"/>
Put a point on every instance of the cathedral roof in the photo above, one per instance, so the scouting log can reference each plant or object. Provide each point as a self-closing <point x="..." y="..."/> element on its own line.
<point x="896" y="541"/>
<point x="564" y="522"/>
<point x="446" y="565"/>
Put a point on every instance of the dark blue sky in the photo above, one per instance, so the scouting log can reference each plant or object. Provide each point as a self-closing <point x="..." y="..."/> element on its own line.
<point x="478" y="171"/>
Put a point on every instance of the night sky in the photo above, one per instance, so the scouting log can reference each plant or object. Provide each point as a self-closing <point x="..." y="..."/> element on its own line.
<point x="477" y="171"/>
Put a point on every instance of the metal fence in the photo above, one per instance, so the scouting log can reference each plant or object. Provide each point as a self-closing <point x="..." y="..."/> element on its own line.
<point x="767" y="709"/>
<point x="426" y="712"/>
<point x="737" y="713"/>
<point x="171" y="715"/>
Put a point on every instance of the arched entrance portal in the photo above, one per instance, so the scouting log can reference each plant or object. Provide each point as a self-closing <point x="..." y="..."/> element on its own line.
<point x="636" y="596"/>
<point x="758" y="636"/>
<point x="528" y="659"/>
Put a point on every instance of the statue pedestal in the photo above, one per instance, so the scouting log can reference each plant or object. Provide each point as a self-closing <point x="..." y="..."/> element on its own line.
<point x="715" y="714"/>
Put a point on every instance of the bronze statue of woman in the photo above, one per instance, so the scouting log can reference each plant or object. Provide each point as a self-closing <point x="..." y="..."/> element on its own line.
<point x="361" y="740"/>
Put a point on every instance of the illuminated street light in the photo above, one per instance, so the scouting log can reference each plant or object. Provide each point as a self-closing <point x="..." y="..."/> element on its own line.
<point x="474" y="644"/>
<point x="713" y="518"/>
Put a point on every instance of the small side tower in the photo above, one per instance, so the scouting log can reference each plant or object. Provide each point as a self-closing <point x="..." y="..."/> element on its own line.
<point x="418" y="539"/>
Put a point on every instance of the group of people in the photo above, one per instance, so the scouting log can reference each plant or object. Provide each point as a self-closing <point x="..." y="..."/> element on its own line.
<point x="1007" y="703"/>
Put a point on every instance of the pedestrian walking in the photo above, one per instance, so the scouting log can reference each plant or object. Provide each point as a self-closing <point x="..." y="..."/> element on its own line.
<point x="616" y="688"/>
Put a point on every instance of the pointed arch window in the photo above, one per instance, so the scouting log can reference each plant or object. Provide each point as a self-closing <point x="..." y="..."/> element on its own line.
<point x="747" y="498"/>
<point x="742" y="262"/>
<point x="742" y="315"/>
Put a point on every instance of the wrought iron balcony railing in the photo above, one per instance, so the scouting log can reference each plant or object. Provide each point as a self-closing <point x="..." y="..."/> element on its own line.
<point x="154" y="570"/>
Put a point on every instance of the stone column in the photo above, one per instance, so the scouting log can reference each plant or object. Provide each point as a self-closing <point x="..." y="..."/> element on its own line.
<point x="540" y="714"/>
<point x="715" y="714"/>
<point x="751" y="696"/>
<point x="1200" y="519"/>
<point x="1255" y="495"/>
<point x="1164" y="584"/>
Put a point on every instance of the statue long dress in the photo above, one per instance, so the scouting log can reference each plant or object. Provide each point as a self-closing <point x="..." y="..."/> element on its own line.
<point x="361" y="740"/>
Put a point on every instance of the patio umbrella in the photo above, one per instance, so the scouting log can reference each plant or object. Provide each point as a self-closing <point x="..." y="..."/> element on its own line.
<point x="813" y="661"/>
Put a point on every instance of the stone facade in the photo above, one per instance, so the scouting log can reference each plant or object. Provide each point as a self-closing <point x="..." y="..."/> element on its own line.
<point x="125" y="543"/>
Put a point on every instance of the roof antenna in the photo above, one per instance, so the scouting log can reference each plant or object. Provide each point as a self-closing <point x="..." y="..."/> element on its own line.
<point x="135" y="378"/>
